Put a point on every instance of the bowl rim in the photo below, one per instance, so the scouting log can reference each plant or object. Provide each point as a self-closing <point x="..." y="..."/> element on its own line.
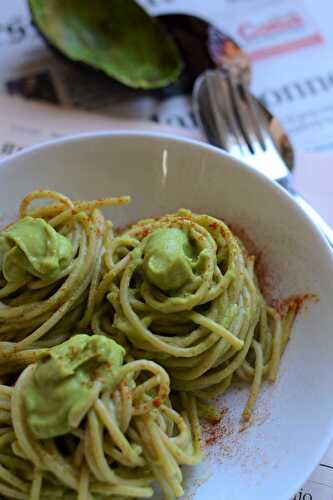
<point x="186" y="141"/>
<point x="282" y="193"/>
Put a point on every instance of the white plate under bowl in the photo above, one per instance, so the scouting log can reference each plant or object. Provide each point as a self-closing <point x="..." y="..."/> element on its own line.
<point x="293" y="422"/>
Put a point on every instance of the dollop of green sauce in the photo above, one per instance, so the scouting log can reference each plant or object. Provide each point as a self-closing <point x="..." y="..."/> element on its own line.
<point x="31" y="246"/>
<point x="64" y="381"/>
<point x="168" y="259"/>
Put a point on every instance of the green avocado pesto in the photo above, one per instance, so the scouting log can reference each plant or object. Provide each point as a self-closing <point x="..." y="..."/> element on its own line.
<point x="168" y="259"/>
<point x="63" y="383"/>
<point x="32" y="247"/>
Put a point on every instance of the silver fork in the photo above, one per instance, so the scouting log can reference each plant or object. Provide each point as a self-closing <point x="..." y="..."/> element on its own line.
<point x="232" y="119"/>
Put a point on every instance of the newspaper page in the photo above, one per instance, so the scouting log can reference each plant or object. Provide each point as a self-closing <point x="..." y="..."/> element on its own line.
<point x="289" y="43"/>
<point x="47" y="122"/>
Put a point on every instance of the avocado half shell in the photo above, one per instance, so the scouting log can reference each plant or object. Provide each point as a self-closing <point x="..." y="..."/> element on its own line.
<point x="117" y="37"/>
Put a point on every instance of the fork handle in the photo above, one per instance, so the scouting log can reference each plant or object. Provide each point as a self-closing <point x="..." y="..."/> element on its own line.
<point x="315" y="217"/>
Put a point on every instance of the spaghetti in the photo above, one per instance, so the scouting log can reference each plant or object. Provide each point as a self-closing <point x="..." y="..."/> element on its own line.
<point x="130" y="436"/>
<point x="39" y="312"/>
<point x="176" y="297"/>
<point x="214" y="328"/>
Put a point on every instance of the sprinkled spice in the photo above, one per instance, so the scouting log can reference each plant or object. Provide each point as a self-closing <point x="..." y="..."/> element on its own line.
<point x="215" y="430"/>
<point x="143" y="233"/>
<point x="295" y="302"/>
<point x="267" y="281"/>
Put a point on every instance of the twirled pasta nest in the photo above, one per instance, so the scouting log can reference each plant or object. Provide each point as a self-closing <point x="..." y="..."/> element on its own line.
<point x="130" y="437"/>
<point x="212" y="330"/>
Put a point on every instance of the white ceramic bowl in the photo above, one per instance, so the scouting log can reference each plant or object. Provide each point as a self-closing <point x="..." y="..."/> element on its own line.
<point x="293" y="423"/>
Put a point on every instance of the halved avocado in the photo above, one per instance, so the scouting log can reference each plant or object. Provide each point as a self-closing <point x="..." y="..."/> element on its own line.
<point x="115" y="36"/>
